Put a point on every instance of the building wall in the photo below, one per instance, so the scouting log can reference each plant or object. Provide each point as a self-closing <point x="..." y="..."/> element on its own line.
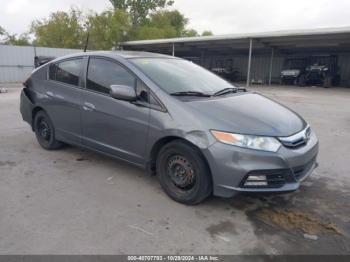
<point x="17" y="62"/>
<point x="344" y="67"/>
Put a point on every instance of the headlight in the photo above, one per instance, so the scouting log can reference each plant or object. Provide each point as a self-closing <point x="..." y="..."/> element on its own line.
<point x="248" y="141"/>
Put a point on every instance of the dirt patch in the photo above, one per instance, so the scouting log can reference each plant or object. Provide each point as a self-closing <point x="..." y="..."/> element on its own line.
<point x="222" y="227"/>
<point x="290" y="219"/>
<point x="7" y="163"/>
<point x="81" y="159"/>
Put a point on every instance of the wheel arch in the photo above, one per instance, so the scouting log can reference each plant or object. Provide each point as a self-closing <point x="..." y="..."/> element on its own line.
<point x="166" y="140"/>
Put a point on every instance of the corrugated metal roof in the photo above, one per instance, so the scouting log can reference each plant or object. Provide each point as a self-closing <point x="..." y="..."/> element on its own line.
<point x="273" y="34"/>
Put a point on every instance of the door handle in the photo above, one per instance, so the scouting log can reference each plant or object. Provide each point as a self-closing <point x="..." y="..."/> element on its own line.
<point x="50" y="94"/>
<point x="88" y="106"/>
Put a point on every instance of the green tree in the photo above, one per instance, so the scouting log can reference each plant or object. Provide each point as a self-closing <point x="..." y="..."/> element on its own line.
<point x="162" y="24"/>
<point x="22" y="39"/>
<point x="119" y="4"/>
<point x="190" y="33"/>
<point x="169" y="18"/>
<point x="13" y="39"/>
<point x="2" y="35"/>
<point x="207" y="33"/>
<point x="108" y="29"/>
<point x="2" y="31"/>
<point x="128" y="20"/>
<point x="61" y="29"/>
<point x="140" y="9"/>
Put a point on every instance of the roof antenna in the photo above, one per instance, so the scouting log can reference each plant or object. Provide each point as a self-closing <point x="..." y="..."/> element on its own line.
<point x="87" y="25"/>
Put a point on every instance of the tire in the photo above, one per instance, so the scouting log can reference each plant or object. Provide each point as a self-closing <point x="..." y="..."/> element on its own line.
<point x="45" y="131"/>
<point x="183" y="173"/>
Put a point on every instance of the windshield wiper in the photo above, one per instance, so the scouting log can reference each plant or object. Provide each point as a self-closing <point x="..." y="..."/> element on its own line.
<point x="230" y="90"/>
<point x="226" y="91"/>
<point x="190" y="93"/>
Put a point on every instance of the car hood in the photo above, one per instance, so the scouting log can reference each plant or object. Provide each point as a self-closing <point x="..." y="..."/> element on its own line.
<point x="248" y="113"/>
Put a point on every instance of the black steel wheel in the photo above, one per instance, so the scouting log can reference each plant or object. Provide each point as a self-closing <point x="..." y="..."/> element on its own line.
<point x="183" y="173"/>
<point x="45" y="132"/>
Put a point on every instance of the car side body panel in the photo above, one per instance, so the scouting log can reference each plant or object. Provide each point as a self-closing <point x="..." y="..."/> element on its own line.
<point x="116" y="127"/>
<point x="63" y="101"/>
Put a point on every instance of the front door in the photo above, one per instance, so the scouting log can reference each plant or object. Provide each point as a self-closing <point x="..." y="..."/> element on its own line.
<point x="116" y="127"/>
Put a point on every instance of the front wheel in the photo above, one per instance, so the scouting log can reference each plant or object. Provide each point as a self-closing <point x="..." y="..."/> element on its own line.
<point x="45" y="132"/>
<point x="183" y="173"/>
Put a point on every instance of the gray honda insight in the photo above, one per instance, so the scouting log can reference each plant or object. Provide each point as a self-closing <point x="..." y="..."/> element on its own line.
<point x="197" y="132"/>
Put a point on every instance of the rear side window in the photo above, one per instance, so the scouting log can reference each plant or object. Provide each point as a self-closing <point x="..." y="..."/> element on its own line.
<point x="103" y="73"/>
<point x="67" y="72"/>
<point x="40" y="74"/>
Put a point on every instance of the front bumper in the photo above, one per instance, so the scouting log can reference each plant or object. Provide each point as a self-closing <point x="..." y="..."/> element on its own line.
<point x="230" y="167"/>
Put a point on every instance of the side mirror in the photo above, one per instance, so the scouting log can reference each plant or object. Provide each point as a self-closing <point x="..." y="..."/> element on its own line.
<point x="121" y="92"/>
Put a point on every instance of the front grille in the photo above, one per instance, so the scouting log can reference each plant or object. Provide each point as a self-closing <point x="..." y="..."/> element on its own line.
<point x="294" y="144"/>
<point x="298" y="140"/>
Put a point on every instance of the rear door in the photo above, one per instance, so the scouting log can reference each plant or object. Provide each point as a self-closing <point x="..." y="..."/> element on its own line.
<point x="63" y="92"/>
<point x="116" y="127"/>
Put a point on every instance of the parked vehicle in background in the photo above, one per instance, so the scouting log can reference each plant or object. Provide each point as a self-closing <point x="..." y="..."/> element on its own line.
<point x="226" y="69"/>
<point x="197" y="132"/>
<point x="322" y="71"/>
<point x="317" y="70"/>
<point x="292" y="72"/>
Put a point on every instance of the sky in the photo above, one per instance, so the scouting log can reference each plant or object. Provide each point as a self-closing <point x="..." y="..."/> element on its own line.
<point x="219" y="16"/>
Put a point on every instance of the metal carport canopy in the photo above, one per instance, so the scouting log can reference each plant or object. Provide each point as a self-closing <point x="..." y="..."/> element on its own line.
<point x="311" y="40"/>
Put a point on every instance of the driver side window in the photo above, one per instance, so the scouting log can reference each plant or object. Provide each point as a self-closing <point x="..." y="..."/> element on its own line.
<point x="103" y="73"/>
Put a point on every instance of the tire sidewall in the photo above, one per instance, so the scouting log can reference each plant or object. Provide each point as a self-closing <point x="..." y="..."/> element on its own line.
<point x="203" y="186"/>
<point x="45" y="144"/>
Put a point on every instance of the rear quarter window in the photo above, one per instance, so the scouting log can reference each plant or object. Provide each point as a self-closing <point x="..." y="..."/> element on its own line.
<point x="67" y="71"/>
<point x="40" y="74"/>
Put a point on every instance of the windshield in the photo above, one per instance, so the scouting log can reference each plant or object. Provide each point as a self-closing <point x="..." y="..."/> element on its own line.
<point x="176" y="75"/>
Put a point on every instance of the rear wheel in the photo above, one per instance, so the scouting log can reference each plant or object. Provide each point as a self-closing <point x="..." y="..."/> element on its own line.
<point x="45" y="132"/>
<point x="183" y="173"/>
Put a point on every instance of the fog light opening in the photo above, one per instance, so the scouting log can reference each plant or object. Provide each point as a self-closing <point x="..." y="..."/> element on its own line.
<point x="256" y="181"/>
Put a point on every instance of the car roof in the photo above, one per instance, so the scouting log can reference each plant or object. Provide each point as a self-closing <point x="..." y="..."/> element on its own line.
<point x="123" y="54"/>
